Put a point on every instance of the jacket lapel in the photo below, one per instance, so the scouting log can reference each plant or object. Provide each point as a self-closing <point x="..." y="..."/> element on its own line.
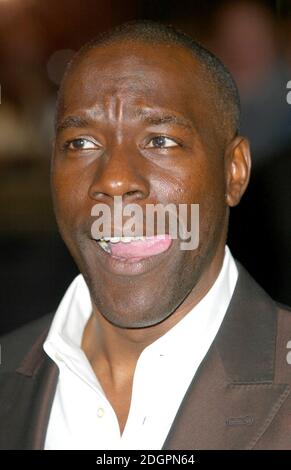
<point x="233" y="398"/>
<point x="45" y="386"/>
<point x="229" y="404"/>
<point x="27" y="399"/>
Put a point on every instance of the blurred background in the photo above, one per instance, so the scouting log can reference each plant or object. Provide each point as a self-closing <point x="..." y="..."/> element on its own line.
<point x="38" y="37"/>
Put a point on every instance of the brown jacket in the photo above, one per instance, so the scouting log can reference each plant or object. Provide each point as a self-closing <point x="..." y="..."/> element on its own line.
<point x="239" y="398"/>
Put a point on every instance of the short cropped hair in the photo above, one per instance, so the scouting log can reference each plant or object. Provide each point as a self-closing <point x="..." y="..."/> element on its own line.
<point x="220" y="81"/>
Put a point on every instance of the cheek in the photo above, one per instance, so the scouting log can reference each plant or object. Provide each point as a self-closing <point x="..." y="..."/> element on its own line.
<point x="204" y="185"/>
<point x="68" y="195"/>
<point x="212" y="200"/>
<point x="198" y="182"/>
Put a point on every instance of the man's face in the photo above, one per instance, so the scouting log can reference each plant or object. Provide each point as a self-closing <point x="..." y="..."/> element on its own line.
<point x="137" y="122"/>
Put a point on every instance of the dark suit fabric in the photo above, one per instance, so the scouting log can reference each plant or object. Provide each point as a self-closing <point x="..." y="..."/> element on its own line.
<point x="238" y="399"/>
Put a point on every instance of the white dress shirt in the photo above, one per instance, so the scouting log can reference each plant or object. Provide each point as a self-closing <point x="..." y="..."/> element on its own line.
<point x="81" y="415"/>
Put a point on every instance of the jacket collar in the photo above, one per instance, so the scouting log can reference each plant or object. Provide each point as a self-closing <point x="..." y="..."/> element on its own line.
<point x="232" y="398"/>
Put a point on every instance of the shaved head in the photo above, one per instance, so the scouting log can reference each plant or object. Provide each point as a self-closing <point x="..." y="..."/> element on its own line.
<point x="218" y="83"/>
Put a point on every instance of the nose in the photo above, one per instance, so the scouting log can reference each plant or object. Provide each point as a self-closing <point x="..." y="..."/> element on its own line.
<point x="118" y="175"/>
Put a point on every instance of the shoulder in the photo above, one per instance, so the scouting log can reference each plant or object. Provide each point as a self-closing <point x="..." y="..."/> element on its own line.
<point x="263" y="317"/>
<point x="284" y="309"/>
<point x="16" y="344"/>
<point x="251" y="291"/>
<point x="284" y="322"/>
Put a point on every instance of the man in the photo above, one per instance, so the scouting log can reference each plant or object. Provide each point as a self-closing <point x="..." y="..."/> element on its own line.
<point x="152" y="347"/>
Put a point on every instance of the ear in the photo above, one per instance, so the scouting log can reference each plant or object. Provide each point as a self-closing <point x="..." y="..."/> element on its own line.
<point x="237" y="169"/>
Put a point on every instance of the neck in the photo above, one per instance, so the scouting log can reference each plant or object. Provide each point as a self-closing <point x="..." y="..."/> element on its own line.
<point x="103" y="342"/>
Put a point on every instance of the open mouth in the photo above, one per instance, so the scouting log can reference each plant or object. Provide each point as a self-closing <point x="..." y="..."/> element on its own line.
<point x="135" y="248"/>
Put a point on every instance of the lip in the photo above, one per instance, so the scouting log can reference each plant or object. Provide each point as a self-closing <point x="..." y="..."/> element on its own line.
<point x="130" y="266"/>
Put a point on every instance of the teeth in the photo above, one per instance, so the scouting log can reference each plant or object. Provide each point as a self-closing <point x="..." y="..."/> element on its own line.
<point x="121" y="239"/>
<point x="126" y="239"/>
<point x="105" y="246"/>
<point x="103" y="242"/>
<point x="112" y="239"/>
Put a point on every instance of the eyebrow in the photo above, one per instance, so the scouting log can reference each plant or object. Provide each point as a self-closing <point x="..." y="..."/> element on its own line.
<point x="72" y="121"/>
<point x="151" y="118"/>
<point x="158" y="118"/>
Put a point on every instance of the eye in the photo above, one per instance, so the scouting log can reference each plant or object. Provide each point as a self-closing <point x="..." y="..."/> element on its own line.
<point x="161" y="142"/>
<point x="81" y="144"/>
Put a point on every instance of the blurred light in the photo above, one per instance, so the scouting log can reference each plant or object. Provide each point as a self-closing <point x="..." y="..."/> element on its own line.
<point x="57" y="63"/>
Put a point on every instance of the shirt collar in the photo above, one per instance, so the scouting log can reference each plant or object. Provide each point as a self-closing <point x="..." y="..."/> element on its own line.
<point x="66" y="331"/>
<point x="204" y="319"/>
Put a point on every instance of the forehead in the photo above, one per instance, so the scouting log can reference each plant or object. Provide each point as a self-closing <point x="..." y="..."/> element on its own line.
<point x="136" y="75"/>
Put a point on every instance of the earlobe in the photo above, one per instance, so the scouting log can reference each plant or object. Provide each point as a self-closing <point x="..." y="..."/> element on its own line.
<point x="237" y="169"/>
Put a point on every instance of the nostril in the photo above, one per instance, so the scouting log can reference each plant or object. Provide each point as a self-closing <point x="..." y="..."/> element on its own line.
<point x="134" y="195"/>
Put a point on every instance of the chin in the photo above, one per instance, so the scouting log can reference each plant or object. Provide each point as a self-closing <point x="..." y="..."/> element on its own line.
<point x="135" y="319"/>
<point x="137" y="307"/>
<point x="131" y="310"/>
